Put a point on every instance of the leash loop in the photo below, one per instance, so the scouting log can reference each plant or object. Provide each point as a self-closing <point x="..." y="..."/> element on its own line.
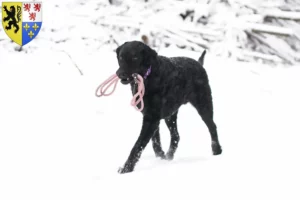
<point x="106" y="84"/>
<point x="140" y="93"/>
<point x="114" y="79"/>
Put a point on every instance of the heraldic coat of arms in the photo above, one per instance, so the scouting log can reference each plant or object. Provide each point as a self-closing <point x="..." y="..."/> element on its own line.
<point x="22" y="21"/>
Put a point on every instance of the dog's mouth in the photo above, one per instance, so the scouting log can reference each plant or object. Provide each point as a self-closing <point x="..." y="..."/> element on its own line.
<point x="126" y="81"/>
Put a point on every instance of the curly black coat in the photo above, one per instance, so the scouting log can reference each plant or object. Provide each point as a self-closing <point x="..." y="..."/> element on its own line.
<point x="172" y="82"/>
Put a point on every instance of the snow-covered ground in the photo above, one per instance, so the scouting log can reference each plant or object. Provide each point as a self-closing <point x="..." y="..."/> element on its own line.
<point x="59" y="141"/>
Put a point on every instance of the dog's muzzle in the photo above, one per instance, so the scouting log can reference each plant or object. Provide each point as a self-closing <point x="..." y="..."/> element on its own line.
<point x="126" y="81"/>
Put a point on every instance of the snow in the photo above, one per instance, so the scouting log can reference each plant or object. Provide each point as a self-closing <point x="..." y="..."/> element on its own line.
<point x="282" y="14"/>
<point x="59" y="141"/>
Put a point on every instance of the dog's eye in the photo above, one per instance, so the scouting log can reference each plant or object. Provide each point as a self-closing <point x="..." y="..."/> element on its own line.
<point x="134" y="58"/>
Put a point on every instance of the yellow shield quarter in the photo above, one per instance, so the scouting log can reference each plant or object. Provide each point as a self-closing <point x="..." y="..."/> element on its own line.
<point x="12" y="21"/>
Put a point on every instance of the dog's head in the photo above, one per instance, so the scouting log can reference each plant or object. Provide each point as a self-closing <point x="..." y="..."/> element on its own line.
<point x="133" y="57"/>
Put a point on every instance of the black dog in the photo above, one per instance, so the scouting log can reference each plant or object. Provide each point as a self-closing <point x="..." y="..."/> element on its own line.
<point x="169" y="83"/>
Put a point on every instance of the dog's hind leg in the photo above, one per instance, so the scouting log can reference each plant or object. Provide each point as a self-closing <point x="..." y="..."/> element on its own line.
<point x="204" y="105"/>
<point x="156" y="144"/>
<point x="171" y="122"/>
<point x="150" y="125"/>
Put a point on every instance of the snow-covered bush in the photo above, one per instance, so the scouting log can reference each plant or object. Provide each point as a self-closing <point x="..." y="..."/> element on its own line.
<point x="249" y="30"/>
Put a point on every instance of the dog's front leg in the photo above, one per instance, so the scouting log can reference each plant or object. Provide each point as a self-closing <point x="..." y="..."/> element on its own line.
<point x="149" y="127"/>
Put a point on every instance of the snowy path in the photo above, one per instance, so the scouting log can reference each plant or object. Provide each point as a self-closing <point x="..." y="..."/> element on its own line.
<point x="58" y="141"/>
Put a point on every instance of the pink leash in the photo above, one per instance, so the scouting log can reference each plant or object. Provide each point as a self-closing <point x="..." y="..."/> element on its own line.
<point x="114" y="79"/>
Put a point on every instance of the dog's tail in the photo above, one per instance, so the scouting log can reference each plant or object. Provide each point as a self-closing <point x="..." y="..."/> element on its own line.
<point x="201" y="59"/>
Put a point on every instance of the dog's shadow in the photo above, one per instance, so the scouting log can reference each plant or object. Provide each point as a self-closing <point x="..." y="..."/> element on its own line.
<point x="150" y="162"/>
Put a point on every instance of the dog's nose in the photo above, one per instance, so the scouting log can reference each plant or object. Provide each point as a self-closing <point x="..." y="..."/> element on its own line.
<point x="121" y="75"/>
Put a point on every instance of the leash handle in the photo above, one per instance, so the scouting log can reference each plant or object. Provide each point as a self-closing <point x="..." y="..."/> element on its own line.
<point x="102" y="88"/>
<point x="114" y="79"/>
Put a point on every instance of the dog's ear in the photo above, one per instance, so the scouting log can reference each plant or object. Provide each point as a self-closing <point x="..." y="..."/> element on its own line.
<point x="119" y="49"/>
<point x="149" y="55"/>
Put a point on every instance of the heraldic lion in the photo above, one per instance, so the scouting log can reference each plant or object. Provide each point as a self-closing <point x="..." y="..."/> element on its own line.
<point x="11" y="17"/>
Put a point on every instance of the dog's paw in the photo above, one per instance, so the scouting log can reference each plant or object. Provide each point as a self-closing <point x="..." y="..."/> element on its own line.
<point x="160" y="155"/>
<point x="125" y="169"/>
<point x="216" y="148"/>
<point x="170" y="156"/>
